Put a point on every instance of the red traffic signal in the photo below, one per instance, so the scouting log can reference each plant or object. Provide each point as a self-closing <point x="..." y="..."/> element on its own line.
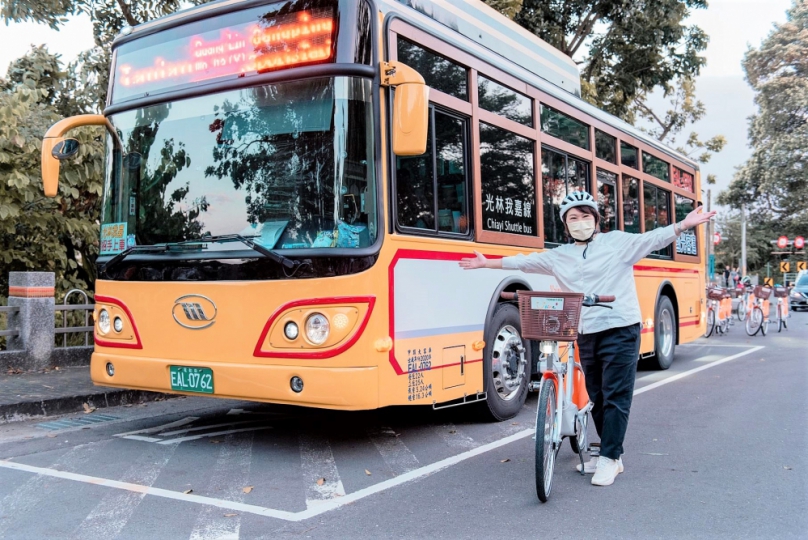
<point x="716" y="238"/>
<point x="782" y="242"/>
<point x="799" y="242"/>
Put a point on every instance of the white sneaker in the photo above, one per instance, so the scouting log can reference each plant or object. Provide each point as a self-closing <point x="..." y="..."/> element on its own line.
<point x="592" y="465"/>
<point x="607" y="471"/>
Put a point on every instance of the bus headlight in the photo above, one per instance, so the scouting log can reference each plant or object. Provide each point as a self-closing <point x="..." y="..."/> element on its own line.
<point x="317" y="328"/>
<point x="103" y="321"/>
<point x="291" y="331"/>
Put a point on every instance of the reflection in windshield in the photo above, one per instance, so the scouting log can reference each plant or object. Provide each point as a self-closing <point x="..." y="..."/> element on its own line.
<point x="290" y="164"/>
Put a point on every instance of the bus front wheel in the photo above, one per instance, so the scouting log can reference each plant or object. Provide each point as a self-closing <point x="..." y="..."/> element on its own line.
<point x="664" y="334"/>
<point x="506" y="371"/>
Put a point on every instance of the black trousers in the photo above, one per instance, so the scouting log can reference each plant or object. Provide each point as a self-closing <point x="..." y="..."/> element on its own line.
<point x="609" y="359"/>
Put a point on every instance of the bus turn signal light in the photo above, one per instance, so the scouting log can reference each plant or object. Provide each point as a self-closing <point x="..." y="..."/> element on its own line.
<point x="478" y="345"/>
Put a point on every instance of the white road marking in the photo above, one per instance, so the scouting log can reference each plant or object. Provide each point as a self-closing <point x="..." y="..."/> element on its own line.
<point x="454" y="438"/>
<point x="229" y="477"/>
<point x="110" y="516"/>
<point x="684" y="374"/>
<point x="141" y="438"/>
<point x="158" y="429"/>
<point x="394" y="452"/>
<point x="202" y="428"/>
<point x="318" y="465"/>
<point x="28" y="496"/>
<point x="334" y="503"/>
<point x="214" y="434"/>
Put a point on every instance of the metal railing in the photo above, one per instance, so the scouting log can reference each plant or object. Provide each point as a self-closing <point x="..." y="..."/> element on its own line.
<point x="66" y="308"/>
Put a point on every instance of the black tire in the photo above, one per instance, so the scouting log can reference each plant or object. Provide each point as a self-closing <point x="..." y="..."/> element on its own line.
<point x="545" y="429"/>
<point x="754" y="321"/>
<point x="578" y="443"/>
<point x="741" y="310"/>
<point x="710" y="323"/>
<point x="764" y="326"/>
<point x="780" y="320"/>
<point x="665" y="330"/>
<point x="501" y="405"/>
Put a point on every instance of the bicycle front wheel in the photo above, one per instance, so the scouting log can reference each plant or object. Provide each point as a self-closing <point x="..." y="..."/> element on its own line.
<point x="546" y="429"/>
<point x="741" y="310"/>
<point x="710" y="323"/>
<point x="780" y="320"/>
<point x="753" y="321"/>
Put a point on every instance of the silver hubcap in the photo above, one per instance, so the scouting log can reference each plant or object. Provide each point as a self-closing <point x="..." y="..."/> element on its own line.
<point x="508" y="362"/>
<point x="666" y="328"/>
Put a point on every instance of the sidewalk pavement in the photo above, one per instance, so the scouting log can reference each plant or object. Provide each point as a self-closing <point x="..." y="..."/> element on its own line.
<point x="56" y="391"/>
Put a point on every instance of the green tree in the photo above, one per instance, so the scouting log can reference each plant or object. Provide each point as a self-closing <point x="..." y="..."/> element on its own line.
<point x="39" y="233"/>
<point x="758" y="246"/>
<point x="773" y="183"/>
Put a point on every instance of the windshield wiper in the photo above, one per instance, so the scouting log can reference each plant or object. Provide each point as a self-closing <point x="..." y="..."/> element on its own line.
<point x="286" y="262"/>
<point x="128" y="251"/>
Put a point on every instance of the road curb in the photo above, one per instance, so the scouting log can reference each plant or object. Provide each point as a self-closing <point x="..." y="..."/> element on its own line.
<point x="104" y="397"/>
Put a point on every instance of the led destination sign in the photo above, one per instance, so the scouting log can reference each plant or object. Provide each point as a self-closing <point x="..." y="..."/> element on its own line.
<point x="262" y="43"/>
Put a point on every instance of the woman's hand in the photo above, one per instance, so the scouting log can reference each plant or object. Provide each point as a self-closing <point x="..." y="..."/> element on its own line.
<point x="479" y="261"/>
<point x="696" y="218"/>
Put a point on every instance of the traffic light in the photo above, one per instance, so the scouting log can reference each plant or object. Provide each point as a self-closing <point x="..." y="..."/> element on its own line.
<point x="785" y="267"/>
<point x="802" y="266"/>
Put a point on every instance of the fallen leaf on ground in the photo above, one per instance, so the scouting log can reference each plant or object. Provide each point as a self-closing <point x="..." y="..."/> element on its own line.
<point x="321" y="481"/>
<point x="506" y="460"/>
<point x="367" y="472"/>
<point x="230" y="515"/>
<point x="51" y="436"/>
<point x="247" y="489"/>
<point x="514" y="423"/>
<point x="46" y="386"/>
<point x="214" y="441"/>
<point x="88" y="409"/>
<point x="786" y="468"/>
<point x="452" y="431"/>
<point x="187" y="491"/>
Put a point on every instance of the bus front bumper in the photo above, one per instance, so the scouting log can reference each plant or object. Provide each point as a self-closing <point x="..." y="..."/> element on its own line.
<point x="323" y="387"/>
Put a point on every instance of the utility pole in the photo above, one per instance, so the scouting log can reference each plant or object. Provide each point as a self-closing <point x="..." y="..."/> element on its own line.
<point x="743" y="240"/>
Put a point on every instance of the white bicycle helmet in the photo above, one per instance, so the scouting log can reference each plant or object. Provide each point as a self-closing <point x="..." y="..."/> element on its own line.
<point x="577" y="198"/>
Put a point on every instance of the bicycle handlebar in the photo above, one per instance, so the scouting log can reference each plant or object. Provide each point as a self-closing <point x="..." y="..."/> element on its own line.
<point x="605" y="298"/>
<point x="589" y="300"/>
<point x="508" y="295"/>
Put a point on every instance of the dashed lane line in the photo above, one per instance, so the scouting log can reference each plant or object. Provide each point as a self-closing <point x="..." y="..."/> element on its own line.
<point x="337" y="502"/>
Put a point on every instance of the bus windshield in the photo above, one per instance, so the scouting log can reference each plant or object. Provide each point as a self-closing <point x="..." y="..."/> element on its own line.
<point x="288" y="164"/>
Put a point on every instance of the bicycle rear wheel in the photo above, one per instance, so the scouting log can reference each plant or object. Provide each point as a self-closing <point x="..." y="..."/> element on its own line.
<point x="710" y="323"/>
<point x="546" y="429"/>
<point x="741" y="310"/>
<point x="781" y="322"/>
<point x="754" y="320"/>
<point x="764" y="324"/>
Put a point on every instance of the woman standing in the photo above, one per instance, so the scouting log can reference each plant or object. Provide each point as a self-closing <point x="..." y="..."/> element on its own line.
<point x="608" y="340"/>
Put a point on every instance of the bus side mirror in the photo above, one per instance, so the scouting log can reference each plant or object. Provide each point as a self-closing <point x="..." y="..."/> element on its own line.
<point x="410" y="108"/>
<point x="56" y="148"/>
<point x="65" y="149"/>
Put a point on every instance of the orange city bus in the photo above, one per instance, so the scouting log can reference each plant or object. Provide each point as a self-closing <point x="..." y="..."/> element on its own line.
<point x="289" y="186"/>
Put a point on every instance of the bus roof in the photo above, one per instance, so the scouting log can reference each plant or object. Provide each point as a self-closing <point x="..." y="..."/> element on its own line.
<point x="476" y="28"/>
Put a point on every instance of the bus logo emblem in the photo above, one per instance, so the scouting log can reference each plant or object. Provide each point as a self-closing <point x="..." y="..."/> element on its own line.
<point x="194" y="311"/>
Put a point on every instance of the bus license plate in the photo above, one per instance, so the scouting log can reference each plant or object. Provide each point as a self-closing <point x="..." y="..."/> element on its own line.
<point x="192" y="379"/>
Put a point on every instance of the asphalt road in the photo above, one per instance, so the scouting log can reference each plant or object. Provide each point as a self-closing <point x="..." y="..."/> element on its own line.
<point x="715" y="449"/>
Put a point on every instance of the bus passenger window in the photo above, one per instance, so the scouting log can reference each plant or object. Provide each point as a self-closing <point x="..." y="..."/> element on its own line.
<point x="628" y="156"/>
<point x="605" y="146"/>
<point x="432" y="189"/>
<point x="656" y="212"/>
<point x="655" y="167"/>
<point x="607" y="200"/>
<point x="438" y="72"/>
<point x="561" y="174"/>
<point x="501" y="100"/>
<point x="631" y="205"/>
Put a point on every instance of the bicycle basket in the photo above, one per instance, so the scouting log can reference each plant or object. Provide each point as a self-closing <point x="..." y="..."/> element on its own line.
<point x="715" y="293"/>
<point x="780" y="292"/>
<point x="762" y="292"/>
<point x="550" y="316"/>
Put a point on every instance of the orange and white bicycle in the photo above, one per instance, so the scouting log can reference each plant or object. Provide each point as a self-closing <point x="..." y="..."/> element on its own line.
<point x="719" y="311"/>
<point x="563" y="412"/>
<point x="781" y="308"/>
<point x="757" y="312"/>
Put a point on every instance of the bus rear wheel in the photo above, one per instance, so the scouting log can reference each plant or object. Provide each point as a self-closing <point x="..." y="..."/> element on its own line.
<point x="664" y="334"/>
<point x="506" y="372"/>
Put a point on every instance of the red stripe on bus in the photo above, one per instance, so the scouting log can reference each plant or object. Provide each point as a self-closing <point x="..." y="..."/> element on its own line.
<point x="689" y="323"/>
<point x="641" y="268"/>
<point x="122" y="345"/>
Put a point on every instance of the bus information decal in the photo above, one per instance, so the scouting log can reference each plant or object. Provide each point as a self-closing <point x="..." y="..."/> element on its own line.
<point x="418" y="361"/>
<point x="113" y="238"/>
<point x="547" y="304"/>
<point x="241" y="49"/>
<point x="686" y="244"/>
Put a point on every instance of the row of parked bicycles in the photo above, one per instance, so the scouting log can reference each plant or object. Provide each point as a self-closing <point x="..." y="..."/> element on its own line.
<point x="754" y="309"/>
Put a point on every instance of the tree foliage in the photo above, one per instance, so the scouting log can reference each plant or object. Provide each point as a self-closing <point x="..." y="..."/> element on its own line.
<point x="773" y="183"/>
<point x="38" y="233"/>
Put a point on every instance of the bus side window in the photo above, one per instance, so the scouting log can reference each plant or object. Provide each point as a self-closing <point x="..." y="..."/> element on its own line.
<point x="431" y="189"/>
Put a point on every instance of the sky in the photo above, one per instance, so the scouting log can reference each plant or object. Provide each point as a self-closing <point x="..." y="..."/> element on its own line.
<point x="733" y="26"/>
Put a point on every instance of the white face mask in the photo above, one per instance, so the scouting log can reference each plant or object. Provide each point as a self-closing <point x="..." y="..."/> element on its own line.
<point x="582" y="230"/>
